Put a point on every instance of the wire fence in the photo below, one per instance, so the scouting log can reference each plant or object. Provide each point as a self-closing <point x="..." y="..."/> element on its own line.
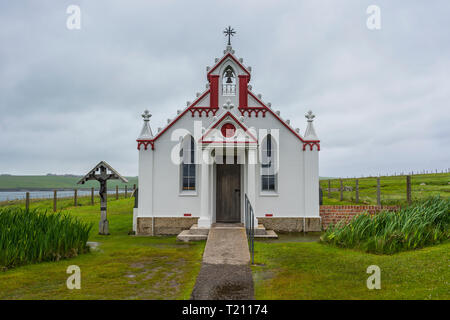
<point x="60" y="199"/>
<point x="386" y="190"/>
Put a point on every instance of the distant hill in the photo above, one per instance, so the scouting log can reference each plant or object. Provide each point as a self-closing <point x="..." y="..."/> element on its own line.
<point x="50" y="182"/>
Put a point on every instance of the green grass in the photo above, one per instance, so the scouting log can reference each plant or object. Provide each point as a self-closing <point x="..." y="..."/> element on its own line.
<point x="294" y="270"/>
<point x="129" y="267"/>
<point x="62" y="203"/>
<point x="11" y="182"/>
<point x="123" y="267"/>
<point x="393" y="189"/>
<point x="421" y="224"/>
<point x="29" y="236"/>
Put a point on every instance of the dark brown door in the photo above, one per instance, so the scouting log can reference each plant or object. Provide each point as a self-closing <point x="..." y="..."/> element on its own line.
<point x="228" y="193"/>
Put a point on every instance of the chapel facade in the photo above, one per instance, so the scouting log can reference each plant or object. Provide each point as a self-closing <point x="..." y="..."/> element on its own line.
<point x="227" y="147"/>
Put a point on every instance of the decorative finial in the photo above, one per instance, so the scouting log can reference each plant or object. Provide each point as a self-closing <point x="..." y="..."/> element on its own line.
<point x="146" y="115"/>
<point x="229" y="32"/>
<point x="310" y="116"/>
<point x="228" y="105"/>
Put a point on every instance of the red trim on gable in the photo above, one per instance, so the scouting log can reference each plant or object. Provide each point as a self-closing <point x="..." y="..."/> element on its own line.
<point x="243" y="91"/>
<point x="199" y="99"/>
<point x="214" y="91"/>
<point x="180" y="115"/>
<point x="256" y="110"/>
<point x="311" y="144"/>
<point x="222" y="60"/>
<point x="145" y="143"/>
<point x="201" y="110"/>
<point x="228" y="113"/>
<point x="279" y="119"/>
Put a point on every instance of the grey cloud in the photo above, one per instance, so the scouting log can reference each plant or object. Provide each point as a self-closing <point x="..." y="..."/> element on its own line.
<point x="71" y="98"/>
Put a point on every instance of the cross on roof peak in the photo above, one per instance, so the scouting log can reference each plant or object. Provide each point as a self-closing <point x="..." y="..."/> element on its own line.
<point x="229" y="32"/>
<point x="310" y="116"/>
<point x="146" y="115"/>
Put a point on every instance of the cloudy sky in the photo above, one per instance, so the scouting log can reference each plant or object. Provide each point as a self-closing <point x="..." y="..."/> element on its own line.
<point x="69" y="98"/>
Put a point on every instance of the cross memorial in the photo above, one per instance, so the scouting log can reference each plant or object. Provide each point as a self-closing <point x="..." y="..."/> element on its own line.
<point x="102" y="172"/>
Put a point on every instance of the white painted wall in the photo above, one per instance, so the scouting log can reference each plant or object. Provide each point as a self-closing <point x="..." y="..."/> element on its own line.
<point x="297" y="195"/>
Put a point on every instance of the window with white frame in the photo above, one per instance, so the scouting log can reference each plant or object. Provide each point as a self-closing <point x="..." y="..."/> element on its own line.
<point x="188" y="169"/>
<point x="268" y="164"/>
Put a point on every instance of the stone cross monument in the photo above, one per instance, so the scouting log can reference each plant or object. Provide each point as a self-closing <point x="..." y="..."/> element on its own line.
<point x="102" y="172"/>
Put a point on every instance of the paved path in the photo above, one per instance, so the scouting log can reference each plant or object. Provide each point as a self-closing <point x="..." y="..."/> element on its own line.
<point x="225" y="273"/>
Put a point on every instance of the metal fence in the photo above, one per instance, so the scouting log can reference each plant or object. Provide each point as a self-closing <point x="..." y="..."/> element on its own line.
<point x="250" y="227"/>
<point x="392" y="190"/>
<point x="76" y="194"/>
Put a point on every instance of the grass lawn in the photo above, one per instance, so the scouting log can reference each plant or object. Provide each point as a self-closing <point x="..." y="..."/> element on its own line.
<point x="65" y="203"/>
<point x="129" y="267"/>
<point x="123" y="267"/>
<point x="310" y="270"/>
<point x="11" y="182"/>
<point x="393" y="189"/>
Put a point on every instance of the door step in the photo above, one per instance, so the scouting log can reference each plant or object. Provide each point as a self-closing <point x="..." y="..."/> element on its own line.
<point x="262" y="233"/>
<point x="199" y="234"/>
<point x="193" y="234"/>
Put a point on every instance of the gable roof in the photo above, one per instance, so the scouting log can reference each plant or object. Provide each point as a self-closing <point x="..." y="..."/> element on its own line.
<point x="279" y="119"/>
<point x="219" y="121"/>
<point x="180" y="115"/>
<point x="228" y="55"/>
<point x="91" y="174"/>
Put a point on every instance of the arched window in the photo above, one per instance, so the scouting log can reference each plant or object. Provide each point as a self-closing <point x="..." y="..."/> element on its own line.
<point x="268" y="164"/>
<point x="187" y="154"/>
<point x="229" y="82"/>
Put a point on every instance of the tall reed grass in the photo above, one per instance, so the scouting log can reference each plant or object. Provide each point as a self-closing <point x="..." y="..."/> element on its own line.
<point x="423" y="223"/>
<point x="30" y="236"/>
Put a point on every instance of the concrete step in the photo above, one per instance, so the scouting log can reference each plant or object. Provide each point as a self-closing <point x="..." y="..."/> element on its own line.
<point x="260" y="230"/>
<point x="270" y="234"/>
<point x="186" y="236"/>
<point x="195" y="230"/>
<point x="222" y="225"/>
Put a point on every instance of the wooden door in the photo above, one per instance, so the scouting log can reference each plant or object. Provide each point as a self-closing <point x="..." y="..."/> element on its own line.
<point x="228" y="193"/>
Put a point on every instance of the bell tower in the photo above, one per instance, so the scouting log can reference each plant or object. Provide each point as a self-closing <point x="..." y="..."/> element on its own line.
<point x="228" y="78"/>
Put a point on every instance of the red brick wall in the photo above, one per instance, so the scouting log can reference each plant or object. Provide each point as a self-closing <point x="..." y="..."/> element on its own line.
<point x="334" y="214"/>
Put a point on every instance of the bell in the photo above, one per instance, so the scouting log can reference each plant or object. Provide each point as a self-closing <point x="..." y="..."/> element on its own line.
<point x="229" y="75"/>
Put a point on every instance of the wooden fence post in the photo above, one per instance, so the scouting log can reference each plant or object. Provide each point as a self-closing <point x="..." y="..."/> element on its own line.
<point x="75" y="197"/>
<point x="357" y="191"/>
<point x="341" y="189"/>
<point x="408" y="189"/>
<point x="117" y="192"/>
<point x="378" y="192"/>
<point x="54" y="200"/>
<point x="92" y="196"/>
<point x="329" y="188"/>
<point x="27" y="201"/>
<point x="126" y="191"/>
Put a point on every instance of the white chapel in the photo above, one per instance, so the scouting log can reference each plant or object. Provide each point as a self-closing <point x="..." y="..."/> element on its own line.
<point x="227" y="147"/>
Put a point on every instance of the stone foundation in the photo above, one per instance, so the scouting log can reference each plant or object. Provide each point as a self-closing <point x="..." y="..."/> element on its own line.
<point x="164" y="225"/>
<point x="290" y="224"/>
